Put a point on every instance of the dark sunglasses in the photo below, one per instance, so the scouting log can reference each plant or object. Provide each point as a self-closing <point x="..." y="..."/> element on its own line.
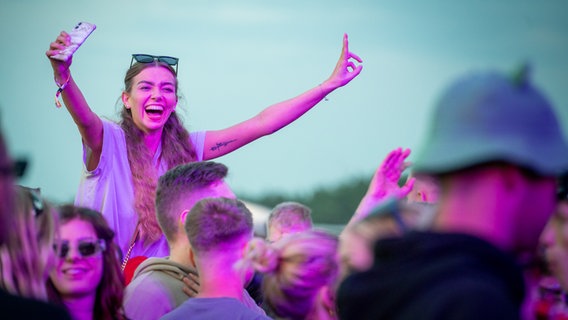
<point x="16" y="169"/>
<point x="148" y="58"/>
<point x="86" y="248"/>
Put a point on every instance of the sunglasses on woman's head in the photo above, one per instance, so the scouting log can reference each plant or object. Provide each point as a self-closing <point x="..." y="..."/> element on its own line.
<point x="148" y="58"/>
<point x="86" y="248"/>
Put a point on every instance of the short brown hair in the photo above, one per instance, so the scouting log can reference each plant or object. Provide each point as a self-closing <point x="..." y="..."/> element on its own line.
<point x="177" y="183"/>
<point x="214" y="223"/>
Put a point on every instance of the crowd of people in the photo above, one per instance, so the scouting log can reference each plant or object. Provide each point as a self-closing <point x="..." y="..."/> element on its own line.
<point x="477" y="230"/>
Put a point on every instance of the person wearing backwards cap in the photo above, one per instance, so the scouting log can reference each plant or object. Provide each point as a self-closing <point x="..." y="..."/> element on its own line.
<point x="496" y="147"/>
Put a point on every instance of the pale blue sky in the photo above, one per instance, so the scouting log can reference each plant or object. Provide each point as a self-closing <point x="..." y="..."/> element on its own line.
<point x="237" y="57"/>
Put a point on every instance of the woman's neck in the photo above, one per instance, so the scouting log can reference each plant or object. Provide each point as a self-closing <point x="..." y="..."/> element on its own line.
<point x="152" y="141"/>
<point x="81" y="308"/>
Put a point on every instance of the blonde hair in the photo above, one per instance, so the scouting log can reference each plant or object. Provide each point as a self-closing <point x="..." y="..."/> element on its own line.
<point x="176" y="149"/>
<point x="296" y="267"/>
<point x="27" y="256"/>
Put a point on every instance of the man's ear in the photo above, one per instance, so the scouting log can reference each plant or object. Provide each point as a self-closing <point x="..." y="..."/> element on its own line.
<point x="182" y="217"/>
<point x="192" y="257"/>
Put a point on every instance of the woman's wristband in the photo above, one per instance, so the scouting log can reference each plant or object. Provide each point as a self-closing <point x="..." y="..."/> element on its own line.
<point x="60" y="89"/>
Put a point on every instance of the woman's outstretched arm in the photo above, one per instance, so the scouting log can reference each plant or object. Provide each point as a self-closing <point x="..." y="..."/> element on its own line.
<point x="279" y="115"/>
<point x="89" y="124"/>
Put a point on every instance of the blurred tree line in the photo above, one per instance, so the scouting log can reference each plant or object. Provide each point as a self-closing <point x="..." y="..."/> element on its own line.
<point x="330" y="205"/>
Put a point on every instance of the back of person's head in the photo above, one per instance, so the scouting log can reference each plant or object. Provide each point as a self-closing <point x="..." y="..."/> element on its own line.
<point x="110" y="289"/>
<point x="180" y="187"/>
<point x="288" y="217"/>
<point x="300" y="272"/>
<point x="26" y="256"/>
<point x="487" y="117"/>
<point x="218" y="225"/>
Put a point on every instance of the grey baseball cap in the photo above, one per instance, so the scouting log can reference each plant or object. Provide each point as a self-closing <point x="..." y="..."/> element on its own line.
<point x="487" y="116"/>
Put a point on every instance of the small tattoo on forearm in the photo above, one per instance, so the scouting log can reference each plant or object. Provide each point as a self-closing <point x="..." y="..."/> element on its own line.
<point x="218" y="145"/>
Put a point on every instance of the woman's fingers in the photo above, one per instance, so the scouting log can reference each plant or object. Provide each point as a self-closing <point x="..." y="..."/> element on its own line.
<point x="356" y="57"/>
<point x="60" y="43"/>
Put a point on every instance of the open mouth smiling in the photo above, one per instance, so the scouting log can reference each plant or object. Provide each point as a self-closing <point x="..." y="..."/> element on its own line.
<point x="154" y="110"/>
<point x="74" y="271"/>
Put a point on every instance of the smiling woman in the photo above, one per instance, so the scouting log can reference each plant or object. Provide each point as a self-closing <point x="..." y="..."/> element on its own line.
<point x="86" y="278"/>
<point x="123" y="161"/>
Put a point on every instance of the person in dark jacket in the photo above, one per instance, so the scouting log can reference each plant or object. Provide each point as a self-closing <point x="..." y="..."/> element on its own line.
<point x="496" y="146"/>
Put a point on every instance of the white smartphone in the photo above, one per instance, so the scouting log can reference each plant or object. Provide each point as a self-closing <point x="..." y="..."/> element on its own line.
<point x="78" y="35"/>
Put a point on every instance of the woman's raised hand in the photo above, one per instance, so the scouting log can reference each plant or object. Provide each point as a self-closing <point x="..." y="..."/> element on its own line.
<point x="345" y="69"/>
<point x="60" y="68"/>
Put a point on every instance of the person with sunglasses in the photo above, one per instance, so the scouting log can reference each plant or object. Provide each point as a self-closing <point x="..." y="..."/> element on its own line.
<point x="87" y="279"/>
<point x="123" y="161"/>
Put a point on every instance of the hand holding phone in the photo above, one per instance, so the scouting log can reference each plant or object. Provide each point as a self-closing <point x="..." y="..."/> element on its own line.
<point x="78" y="35"/>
